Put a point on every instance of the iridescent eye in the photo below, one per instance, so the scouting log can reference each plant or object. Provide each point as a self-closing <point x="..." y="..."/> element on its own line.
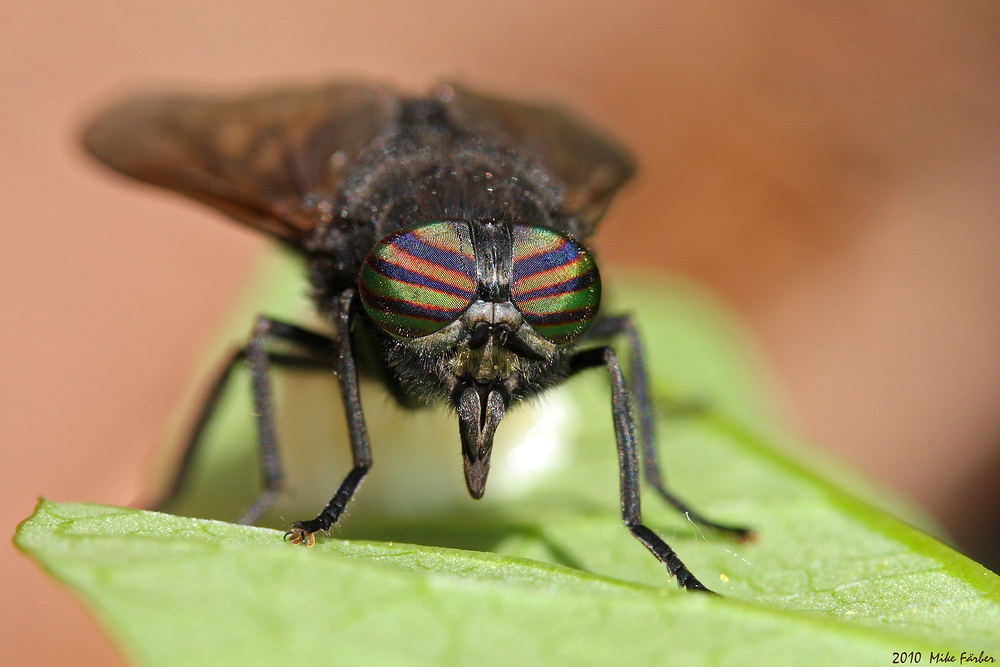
<point x="555" y="283"/>
<point x="420" y="278"/>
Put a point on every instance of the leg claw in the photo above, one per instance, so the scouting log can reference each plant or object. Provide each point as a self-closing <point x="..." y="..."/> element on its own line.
<point x="301" y="536"/>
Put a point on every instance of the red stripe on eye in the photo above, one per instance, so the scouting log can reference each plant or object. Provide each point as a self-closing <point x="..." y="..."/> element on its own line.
<point x="430" y="270"/>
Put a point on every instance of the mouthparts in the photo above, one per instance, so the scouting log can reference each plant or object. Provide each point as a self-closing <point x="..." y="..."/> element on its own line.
<point x="480" y="408"/>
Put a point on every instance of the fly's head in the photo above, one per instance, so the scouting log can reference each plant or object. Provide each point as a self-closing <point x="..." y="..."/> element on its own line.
<point x="480" y="314"/>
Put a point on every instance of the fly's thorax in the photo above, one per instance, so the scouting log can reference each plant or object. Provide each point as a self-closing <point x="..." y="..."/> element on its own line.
<point x="429" y="170"/>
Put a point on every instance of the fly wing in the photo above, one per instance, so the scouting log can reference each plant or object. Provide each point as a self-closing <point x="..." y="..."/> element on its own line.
<point x="273" y="161"/>
<point x="590" y="165"/>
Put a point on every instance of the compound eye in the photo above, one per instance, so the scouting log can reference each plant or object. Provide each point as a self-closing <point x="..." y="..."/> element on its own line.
<point x="420" y="278"/>
<point x="555" y="283"/>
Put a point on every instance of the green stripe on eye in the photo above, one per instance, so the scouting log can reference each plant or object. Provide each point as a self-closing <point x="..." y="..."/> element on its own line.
<point x="405" y="326"/>
<point x="418" y="295"/>
<point x="562" y="333"/>
<point x="559" y="303"/>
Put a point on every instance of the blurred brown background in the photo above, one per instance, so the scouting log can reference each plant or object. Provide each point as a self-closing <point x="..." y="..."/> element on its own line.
<point x="830" y="168"/>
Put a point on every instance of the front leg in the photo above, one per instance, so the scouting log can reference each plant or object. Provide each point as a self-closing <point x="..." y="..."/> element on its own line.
<point x="303" y="532"/>
<point x="628" y="464"/>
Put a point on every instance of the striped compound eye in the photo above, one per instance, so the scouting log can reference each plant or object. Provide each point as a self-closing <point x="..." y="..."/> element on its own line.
<point x="420" y="278"/>
<point x="555" y="283"/>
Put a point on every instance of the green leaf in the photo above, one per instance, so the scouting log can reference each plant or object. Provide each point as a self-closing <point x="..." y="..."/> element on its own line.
<point x="541" y="571"/>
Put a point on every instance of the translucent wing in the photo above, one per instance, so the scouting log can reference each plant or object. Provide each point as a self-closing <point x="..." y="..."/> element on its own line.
<point x="272" y="161"/>
<point x="591" y="166"/>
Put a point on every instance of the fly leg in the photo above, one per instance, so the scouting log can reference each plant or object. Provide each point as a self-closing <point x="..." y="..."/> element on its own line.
<point x="303" y="532"/>
<point x="259" y="360"/>
<point x="628" y="464"/>
<point x="321" y="346"/>
<point x="611" y="326"/>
